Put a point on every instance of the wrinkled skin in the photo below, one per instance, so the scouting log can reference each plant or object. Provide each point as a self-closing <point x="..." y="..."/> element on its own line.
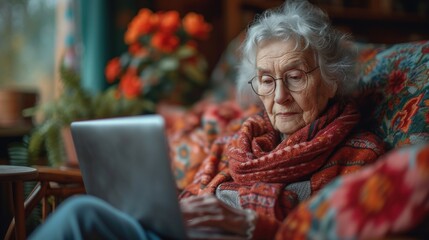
<point x="208" y="211"/>
<point x="290" y="111"/>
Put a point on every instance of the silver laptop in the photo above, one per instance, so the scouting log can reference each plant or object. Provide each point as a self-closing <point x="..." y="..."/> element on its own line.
<point x="125" y="161"/>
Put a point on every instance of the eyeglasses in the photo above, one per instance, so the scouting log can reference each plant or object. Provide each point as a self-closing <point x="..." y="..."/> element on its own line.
<point x="295" y="80"/>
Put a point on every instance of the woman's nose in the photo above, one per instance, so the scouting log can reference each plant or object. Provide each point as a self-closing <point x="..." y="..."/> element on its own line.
<point x="281" y="93"/>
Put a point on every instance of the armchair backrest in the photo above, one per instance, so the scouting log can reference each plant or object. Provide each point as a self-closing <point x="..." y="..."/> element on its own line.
<point x="394" y="91"/>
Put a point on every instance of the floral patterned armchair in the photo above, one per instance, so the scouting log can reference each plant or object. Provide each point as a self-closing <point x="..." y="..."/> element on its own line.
<point x="394" y="91"/>
<point x="389" y="197"/>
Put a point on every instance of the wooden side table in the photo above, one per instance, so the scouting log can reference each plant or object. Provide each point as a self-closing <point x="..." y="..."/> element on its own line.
<point x="16" y="175"/>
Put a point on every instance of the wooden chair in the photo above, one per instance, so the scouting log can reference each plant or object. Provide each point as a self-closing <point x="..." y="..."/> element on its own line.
<point x="56" y="183"/>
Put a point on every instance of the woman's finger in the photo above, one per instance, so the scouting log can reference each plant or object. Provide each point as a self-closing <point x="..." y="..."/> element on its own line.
<point x="205" y="221"/>
<point x="208" y="211"/>
<point x="200" y="204"/>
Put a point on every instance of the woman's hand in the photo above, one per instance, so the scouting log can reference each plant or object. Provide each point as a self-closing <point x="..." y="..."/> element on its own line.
<point x="208" y="211"/>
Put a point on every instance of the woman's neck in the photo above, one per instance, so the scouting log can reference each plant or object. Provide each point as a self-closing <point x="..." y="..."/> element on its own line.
<point x="283" y="136"/>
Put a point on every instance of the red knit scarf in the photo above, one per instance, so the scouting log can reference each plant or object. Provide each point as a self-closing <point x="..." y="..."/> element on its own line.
<point x="258" y="164"/>
<point x="257" y="155"/>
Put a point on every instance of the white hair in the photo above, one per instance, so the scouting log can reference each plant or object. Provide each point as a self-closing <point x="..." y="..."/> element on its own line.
<point x="309" y="27"/>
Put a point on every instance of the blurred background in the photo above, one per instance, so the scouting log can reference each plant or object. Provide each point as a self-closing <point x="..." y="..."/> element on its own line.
<point x="37" y="36"/>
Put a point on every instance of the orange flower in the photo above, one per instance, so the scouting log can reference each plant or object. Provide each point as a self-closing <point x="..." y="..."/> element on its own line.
<point x="165" y="42"/>
<point x="113" y="69"/>
<point x="142" y="24"/>
<point x="170" y="21"/>
<point x="130" y="84"/>
<point x="195" y="25"/>
<point x="134" y="48"/>
<point x="150" y="38"/>
<point x="137" y="50"/>
<point x="143" y="52"/>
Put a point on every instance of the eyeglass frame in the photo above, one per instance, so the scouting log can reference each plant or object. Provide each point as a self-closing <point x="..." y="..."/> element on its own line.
<point x="282" y="78"/>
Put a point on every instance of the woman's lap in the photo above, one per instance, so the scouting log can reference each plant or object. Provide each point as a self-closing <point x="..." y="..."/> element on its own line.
<point x="85" y="216"/>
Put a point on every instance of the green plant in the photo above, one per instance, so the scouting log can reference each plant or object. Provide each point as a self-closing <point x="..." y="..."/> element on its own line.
<point x="74" y="104"/>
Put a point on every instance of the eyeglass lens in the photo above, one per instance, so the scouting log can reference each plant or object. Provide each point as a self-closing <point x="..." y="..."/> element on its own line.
<point x="295" y="80"/>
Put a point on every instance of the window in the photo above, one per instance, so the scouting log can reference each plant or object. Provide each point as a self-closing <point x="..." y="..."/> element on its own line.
<point x="27" y="52"/>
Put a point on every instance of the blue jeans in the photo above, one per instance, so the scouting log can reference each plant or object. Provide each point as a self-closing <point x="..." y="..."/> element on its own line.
<point x="87" y="217"/>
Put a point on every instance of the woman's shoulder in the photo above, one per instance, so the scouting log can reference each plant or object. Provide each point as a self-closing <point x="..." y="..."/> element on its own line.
<point x="365" y="140"/>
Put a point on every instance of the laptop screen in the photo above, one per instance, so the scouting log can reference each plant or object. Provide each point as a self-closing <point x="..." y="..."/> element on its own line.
<point x="126" y="162"/>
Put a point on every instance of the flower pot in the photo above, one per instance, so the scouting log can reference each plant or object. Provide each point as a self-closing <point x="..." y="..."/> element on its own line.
<point x="10" y="110"/>
<point x="12" y="102"/>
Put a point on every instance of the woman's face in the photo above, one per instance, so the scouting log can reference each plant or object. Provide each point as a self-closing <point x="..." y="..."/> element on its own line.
<point x="290" y="111"/>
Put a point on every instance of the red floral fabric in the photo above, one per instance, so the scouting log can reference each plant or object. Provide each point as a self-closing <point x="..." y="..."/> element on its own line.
<point x="388" y="198"/>
<point x="393" y="91"/>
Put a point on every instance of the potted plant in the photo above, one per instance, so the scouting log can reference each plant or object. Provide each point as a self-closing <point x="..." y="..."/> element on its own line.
<point x="162" y="63"/>
<point x="47" y="138"/>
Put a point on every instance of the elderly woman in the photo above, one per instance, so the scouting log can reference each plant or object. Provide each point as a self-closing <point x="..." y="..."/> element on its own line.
<point x="301" y="70"/>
